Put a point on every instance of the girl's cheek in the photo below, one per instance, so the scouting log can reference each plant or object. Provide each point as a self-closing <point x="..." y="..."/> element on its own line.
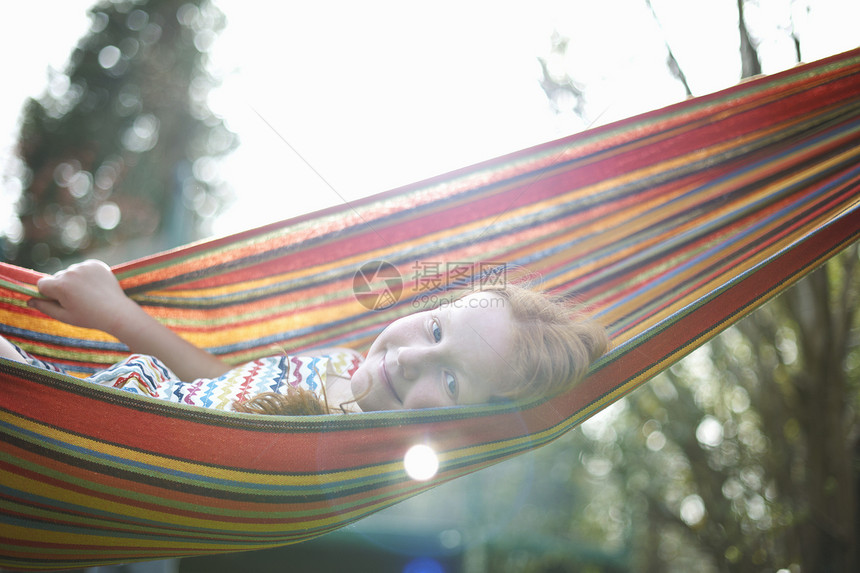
<point x="360" y="382"/>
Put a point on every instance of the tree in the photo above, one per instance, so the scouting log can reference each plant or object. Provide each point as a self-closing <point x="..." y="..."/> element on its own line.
<point x="742" y="457"/>
<point x="122" y="144"/>
<point x="763" y="430"/>
<point x="751" y="444"/>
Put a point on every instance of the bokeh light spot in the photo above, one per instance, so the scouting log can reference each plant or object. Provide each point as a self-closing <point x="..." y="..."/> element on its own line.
<point x="80" y="184"/>
<point x="109" y="57"/>
<point x="450" y="538"/>
<point x="692" y="510"/>
<point x="136" y="20"/>
<point x="74" y="232"/>
<point x="421" y="462"/>
<point x="710" y="432"/>
<point x="108" y="215"/>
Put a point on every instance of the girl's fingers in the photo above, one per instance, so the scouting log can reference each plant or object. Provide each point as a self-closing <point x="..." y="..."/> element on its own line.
<point x="49" y="287"/>
<point x="49" y="307"/>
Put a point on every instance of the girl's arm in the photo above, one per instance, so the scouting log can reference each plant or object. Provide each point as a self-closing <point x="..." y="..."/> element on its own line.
<point x="88" y="295"/>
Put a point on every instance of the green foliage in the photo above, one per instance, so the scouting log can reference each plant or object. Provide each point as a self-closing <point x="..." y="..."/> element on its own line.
<point x="118" y="148"/>
<point x="742" y="457"/>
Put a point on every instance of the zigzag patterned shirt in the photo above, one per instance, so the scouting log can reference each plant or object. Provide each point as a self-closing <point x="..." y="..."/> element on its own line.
<point x="148" y="376"/>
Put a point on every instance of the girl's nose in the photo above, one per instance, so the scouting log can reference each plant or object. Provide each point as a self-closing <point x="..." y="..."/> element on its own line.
<point x="412" y="360"/>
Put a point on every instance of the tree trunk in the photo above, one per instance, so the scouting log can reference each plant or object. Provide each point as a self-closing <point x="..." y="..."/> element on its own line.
<point x="750" y="64"/>
<point x="824" y="312"/>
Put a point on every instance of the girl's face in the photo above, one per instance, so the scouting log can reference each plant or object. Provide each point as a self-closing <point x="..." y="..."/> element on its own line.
<point x="455" y="354"/>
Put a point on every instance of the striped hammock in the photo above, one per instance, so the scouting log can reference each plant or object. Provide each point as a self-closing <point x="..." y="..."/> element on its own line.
<point x="670" y="226"/>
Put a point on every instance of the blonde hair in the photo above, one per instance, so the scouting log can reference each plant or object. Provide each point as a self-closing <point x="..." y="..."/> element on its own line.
<point x="296" y="402"/>
<point x="554" y="343"/>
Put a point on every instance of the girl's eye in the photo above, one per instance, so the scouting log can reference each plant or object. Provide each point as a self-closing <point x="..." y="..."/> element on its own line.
<point x="451" y="385"/>
<point x="436" y="330"/>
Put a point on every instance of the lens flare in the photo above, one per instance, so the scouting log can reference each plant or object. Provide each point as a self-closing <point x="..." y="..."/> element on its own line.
<point x="421" y="462"/>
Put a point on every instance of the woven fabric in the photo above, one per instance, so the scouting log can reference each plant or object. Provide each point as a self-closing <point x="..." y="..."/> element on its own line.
<point x="670" y="226"/>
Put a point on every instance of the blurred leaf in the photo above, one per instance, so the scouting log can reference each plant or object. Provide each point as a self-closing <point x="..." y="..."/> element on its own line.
<point x="110" y="148"/>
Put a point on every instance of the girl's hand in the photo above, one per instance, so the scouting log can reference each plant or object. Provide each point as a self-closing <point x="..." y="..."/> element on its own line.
<point x="86" y="294"/>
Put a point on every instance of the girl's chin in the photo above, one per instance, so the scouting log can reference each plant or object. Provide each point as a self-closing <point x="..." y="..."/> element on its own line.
<point x="367" y="397"/>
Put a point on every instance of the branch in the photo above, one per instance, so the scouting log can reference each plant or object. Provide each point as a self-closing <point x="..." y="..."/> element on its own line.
<point x="671" y="61"/>
<point x="750" y="64"/>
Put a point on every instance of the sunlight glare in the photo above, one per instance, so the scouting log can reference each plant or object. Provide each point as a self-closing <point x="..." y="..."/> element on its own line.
<point x="421" y="462"/>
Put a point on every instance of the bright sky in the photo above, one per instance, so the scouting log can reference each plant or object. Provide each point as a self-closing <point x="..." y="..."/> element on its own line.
<point x="378" y="94"/>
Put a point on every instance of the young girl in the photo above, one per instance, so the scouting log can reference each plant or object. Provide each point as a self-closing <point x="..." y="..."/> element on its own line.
<point x="511" y="343"/>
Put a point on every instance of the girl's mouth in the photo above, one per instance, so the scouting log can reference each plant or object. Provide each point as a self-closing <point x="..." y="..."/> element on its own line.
<point x="387" y="379"/>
